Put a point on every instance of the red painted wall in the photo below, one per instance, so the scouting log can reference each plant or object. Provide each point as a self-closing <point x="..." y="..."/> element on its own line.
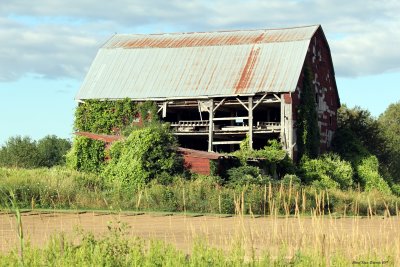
<point x="319" y="62"/>
<point x="197" y="165"/>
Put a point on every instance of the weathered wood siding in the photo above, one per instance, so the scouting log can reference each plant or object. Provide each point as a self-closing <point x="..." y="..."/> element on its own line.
<point x="197" y="165"/>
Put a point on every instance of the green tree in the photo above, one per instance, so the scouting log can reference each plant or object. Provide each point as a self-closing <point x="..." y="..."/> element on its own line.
<point x="308" y="135"/>
<point x="19" y="152"/>
<point x="52" y="150"/>
<point x="365" y="142"/>
<point x="389" y="123"/>
<point x="358" y="134"/>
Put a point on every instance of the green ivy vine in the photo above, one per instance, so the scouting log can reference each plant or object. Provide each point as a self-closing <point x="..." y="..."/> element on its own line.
<point x="104" y="117"/>
<point x="308" y="135"/>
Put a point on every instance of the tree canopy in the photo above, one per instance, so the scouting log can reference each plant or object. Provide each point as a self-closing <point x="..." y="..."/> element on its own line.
<point x="389" y="123"/>
<point x="23" y="152"/>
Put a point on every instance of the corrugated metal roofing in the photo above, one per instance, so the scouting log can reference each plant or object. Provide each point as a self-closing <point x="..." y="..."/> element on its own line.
<point x="200" y="154"/>
<point x="194" y="65"/>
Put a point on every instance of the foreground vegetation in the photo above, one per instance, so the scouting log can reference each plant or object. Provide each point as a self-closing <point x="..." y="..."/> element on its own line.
<point x="61" y="188"/>
<point x="359" y="177"/>
<point x="317" y="241"/>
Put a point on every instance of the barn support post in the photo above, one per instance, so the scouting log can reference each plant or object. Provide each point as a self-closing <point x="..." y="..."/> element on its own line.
<point x="164" y="111"/>
<point x="282" y="135"/>
<point x="211" y="125"/>
<point x="287" y="124"/>
<point x="250" y="109"/>
<point x="289" y="127"/>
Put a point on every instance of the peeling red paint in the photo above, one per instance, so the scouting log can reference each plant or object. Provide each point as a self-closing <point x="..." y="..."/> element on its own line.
<point x="288" y="98"/>
<point x="330" y="101"/>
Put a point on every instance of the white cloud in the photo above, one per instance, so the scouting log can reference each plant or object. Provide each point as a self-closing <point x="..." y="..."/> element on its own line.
<point x="46" y="50"/>
<point x="55" y="38"/>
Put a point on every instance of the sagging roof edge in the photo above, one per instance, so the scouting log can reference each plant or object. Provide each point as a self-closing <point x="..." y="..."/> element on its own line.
<point x="189" y="35"/>
<point x="226" y="30"/>
<point x="160" y="99"/>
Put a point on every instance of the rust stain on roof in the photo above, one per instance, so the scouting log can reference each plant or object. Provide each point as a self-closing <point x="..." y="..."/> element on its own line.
<point x="247" y="73"/>
<point x="206" y="39"/>
<point x="191" y="65"/>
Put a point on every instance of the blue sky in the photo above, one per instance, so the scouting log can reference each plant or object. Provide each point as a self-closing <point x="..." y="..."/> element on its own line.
<point x="46" y="48"/>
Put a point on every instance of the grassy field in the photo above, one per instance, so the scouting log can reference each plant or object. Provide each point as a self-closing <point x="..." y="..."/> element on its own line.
<point x="49" y="217"/>
<point x="60" y="188"/>
<point x="137" y="239"/>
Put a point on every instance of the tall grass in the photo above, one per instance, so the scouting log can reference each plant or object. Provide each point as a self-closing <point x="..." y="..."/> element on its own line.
<point x="315" y="241"/>
<point x="283" y="237"/>
<point x="59" y="188"/>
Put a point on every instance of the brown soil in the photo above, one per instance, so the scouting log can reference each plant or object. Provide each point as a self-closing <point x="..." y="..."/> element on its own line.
<point x="182" y="230"/>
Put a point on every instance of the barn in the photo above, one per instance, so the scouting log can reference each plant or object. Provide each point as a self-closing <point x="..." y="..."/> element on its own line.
<point x="216" y="88"/>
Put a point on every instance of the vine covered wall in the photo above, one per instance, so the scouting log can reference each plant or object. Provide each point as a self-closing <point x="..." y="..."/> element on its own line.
<point x="104" y="117"/>
<point x="308" y="134"/>
<point x="101" y="117"/>
<point x="321" y="79"/>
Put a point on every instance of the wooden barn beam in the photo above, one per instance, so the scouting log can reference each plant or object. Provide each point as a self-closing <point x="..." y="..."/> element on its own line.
<point x="230" y="118"/>
<point x="219" y="104"/>
<point x="226" y="142"/>
<point x="242" y="103"/>
<point x="259" y="101"/>
<point x="164" y="111"/>
<point x="282" y="136"/>
<point x="163" y="108"/>
<point x="277" y="97"/>
<point x="211" y="125"/>
<point x="250" y="109"/>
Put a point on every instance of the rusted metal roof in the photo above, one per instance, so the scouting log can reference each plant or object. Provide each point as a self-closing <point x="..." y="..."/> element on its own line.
<point x="196" y="65"/>
<point x="200" y="154"/>
<point x="100" y="137"/>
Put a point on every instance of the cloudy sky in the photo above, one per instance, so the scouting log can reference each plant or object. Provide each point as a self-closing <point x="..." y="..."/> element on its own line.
<point x="47" y="46"/>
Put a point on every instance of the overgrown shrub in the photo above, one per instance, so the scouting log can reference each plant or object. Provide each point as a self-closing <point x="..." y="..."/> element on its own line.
<point x="105" y="117"/>
<point x="368" y="173"/>
<point x="328" y="171"/>
<point x="145" y="154"/>
<point x="245" y="175"/>
<point x="86" y="155"/>
<point x="272" y="158"/>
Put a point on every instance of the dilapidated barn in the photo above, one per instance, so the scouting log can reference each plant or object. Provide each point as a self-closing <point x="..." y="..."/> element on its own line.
<point x="217" y="87"/>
